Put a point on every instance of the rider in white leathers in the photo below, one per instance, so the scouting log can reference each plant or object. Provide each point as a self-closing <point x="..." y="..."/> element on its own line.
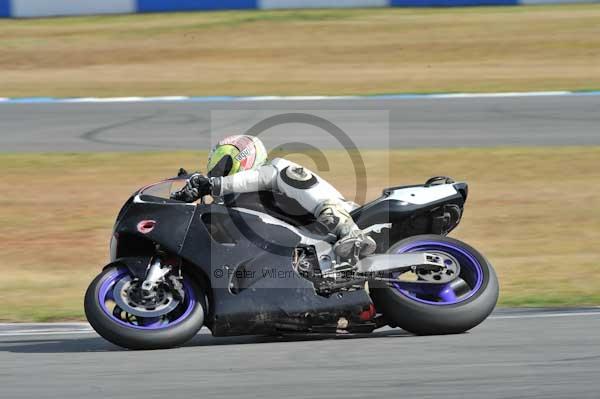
<point x="238" y="164"/>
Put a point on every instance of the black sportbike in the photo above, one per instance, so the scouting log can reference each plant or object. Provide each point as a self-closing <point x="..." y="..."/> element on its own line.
<point x="257" y="264"/>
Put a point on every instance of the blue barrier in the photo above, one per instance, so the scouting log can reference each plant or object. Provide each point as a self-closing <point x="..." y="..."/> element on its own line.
<point x="193" y="5"/>
<point x="5" y="8"/>
<point x="452" y="3"/>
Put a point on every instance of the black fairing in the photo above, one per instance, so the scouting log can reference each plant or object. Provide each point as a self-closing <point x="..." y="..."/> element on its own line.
<point x="172" y="222"/>
<point x="278" y="206"/>
<point x="248" y="265"/>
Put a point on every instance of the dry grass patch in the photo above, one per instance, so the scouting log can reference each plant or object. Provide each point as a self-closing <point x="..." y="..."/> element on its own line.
<point x="534" y="212"/>
<point x="304" y="52"/>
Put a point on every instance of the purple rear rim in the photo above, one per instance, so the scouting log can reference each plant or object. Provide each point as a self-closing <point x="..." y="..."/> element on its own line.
<point x="470" y="271"/>
<point x="150" y="323"/>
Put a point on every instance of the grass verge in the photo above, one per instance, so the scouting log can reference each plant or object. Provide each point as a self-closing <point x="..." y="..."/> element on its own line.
<point x="304" y="52"/>
<point x="534" y="212"/>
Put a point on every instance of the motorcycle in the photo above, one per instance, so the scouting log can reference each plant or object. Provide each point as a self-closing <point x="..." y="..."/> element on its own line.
<point x="256" y="263"/>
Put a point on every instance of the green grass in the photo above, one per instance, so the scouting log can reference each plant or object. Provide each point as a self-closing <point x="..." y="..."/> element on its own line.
<point x="534" y="212"/>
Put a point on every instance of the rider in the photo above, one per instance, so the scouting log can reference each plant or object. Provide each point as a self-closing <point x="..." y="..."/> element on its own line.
<point x="238" y="164"/>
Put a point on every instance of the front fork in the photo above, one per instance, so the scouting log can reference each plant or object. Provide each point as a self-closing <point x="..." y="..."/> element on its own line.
<point x="155" y="275"/>
<point x="154" y="270"/>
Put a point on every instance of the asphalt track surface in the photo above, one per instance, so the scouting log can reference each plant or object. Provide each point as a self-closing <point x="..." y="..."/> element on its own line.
<point x="550" y="353"/>
<point x="404" y="123"/>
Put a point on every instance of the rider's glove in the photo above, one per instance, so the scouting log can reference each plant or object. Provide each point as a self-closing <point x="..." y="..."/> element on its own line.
<point x="196" y="187"/>
<point x="200" y="183"/>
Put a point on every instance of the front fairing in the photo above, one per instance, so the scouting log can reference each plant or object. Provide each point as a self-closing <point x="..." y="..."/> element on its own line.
<point x="151" y="204"/>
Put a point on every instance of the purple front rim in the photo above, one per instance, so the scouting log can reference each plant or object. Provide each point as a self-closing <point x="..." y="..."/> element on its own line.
<point x="470" y="271"/>
<point x="150" y="324"/>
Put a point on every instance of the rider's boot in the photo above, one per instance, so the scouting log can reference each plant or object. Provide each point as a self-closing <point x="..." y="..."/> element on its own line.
<point x="338" y="220"/>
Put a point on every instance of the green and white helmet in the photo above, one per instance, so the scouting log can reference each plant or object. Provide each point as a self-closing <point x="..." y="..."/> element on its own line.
<point x="235" y="154"/>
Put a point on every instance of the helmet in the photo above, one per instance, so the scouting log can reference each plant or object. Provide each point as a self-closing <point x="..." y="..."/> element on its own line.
<point x="235" y="154"/>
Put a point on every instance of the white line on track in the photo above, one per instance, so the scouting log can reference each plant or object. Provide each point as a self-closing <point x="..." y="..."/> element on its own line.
<point x="543" y="315"/>
<point x="88" y="330"/>
<point x="136" y="99"/>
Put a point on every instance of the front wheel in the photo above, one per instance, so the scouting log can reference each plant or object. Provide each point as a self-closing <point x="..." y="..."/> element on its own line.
<point x="426" y="307"/>
<point x="120" y="313"/>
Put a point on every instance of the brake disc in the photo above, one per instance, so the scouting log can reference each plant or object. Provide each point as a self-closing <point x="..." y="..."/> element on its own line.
<point x="128" y="296"/>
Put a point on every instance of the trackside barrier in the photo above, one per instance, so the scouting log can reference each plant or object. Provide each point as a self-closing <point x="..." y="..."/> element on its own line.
<point x="47" y="8"/>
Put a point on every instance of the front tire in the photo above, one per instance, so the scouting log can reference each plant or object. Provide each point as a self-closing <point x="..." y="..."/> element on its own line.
<point x="440" y="313"/>
<point x="170" y="330"/>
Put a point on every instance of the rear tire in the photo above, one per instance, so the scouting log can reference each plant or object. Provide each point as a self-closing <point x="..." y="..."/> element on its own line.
<point x="134" y="337"/>
<point x="426" y="318"/>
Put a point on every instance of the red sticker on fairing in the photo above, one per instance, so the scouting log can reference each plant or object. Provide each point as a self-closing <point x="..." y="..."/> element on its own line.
<point x="146" y="226"/>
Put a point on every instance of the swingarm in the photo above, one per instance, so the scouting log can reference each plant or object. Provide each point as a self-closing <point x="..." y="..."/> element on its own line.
<point x="426" y="268"/>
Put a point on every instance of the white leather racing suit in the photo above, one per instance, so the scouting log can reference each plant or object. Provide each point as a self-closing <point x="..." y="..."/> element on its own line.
<point x="313" y="193"/>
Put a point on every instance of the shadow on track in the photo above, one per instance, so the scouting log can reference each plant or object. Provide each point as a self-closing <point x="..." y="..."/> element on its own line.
<point x="57" y="345"/>
<point x="96" y="344"/>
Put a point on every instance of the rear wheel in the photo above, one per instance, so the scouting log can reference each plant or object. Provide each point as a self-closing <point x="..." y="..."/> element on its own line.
<point x="119" y="311"/>
<point x="447" y="306"/>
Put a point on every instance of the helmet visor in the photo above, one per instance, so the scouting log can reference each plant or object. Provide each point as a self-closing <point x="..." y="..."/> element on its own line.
<point x="222" y="168"/>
